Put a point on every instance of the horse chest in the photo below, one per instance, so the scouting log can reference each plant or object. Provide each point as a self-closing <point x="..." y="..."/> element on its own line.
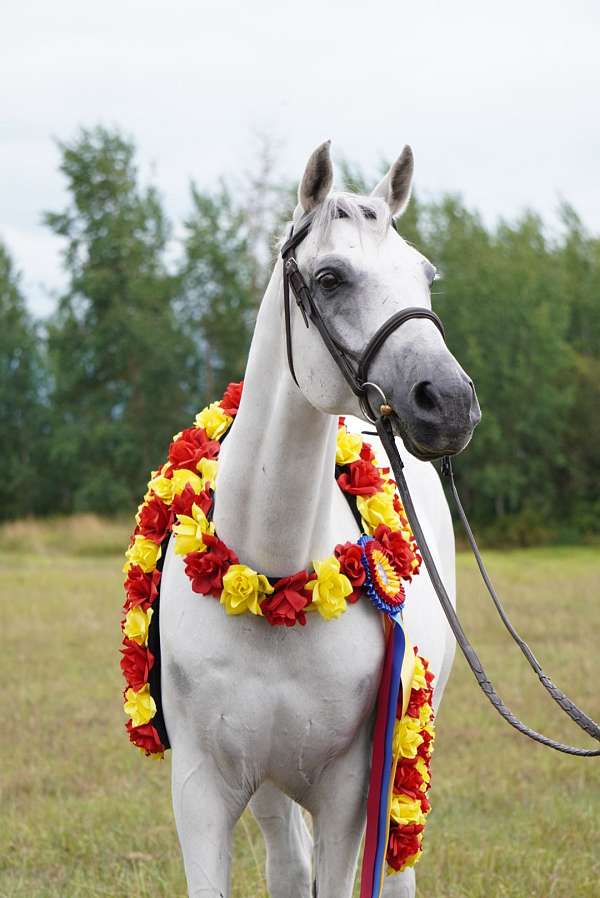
<point x="286" y="701"/>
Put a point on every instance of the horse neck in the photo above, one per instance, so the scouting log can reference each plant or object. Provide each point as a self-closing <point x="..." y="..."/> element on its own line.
<point x="274" y="489"/>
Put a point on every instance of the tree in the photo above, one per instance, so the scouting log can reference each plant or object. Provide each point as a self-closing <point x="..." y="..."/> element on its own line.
<point x="22" y="415"/>
<point x="125" y="371"/>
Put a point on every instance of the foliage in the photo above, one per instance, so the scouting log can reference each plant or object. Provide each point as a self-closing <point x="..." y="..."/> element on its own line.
<point x="123" y="368"/>
<point x="137" y="343"/>
<point x="22" y="416"/>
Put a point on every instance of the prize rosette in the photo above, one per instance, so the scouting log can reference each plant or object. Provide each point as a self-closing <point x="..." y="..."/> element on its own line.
<point x="383" y="582"/>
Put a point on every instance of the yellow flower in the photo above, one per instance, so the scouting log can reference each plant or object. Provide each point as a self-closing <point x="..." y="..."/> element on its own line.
<point x="407" y="737"/>
<point x="418" y="680"/>
<point x="243" y="589"/>
<point x="406" y="810"/>
<point x="207" y="467"/>
<point x="377" y="509"/>
<point x="425" y="714"/>
<point x="139" y="706"/>
<point x="163" y="487"/>
<point x="348" y="447"/>
<point x="214" y="421"/>
<point x="182" y="477"/>
<point x="422" y="768"/>
<point x="329" y="589"/>
<point x="143" y="552"/>
<point x="188" y="532"/>
<point x="137" y="623"/>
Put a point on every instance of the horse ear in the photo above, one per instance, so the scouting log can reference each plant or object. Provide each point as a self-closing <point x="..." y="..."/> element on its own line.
<point x="395" y="187"/>
<point x="317" y="179"/>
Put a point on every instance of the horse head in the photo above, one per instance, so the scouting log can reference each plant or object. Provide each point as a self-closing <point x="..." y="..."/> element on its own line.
<point x="360" y="272"/>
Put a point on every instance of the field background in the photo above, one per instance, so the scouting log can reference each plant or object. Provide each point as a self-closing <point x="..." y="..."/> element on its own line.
<point x="84" y="816"/>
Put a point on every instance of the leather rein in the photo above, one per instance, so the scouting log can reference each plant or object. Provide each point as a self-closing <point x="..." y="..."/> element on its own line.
<point x="355" y="367"/>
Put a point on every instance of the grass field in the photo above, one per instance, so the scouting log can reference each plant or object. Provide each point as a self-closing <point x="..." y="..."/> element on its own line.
<point x="84" y="815"/>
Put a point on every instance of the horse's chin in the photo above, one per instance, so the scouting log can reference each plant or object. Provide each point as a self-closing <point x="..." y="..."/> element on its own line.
<point x="424" y="447"/>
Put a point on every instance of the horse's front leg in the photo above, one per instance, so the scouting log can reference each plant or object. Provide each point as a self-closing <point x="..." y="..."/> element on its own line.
<point x="206" y="810"/>
<point x="337" y="802"/>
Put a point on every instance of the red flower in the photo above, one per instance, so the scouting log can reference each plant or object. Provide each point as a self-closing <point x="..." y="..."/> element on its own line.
<point x="145" y="737"/>
<point x="349" y="556"/>
<point x="366" y="453"/>
<point x="286" y="605"/>
<point x="231" y="399"/>
<point x="206" y="569"/>
<point x="182" y="504"/>
<point x="425" y="748"/>
<point x="417" y="699"/>
<point x="404" y="841"/>
<point x="190" y="447"/>
<point x="141" y="588"/>
<point x="154" y="520"/>
<point x="361" y="479"/>
<point x="402" y="552"/>
<point x="136" y="664"/>
<point x="408" y="779"/>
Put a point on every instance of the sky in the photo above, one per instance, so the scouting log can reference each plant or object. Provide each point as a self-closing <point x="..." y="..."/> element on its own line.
<point x="499" y="101"/>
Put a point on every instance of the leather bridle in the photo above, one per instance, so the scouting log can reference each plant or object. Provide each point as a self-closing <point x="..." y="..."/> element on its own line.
<point x="354" y="366"/>
<point x="355" y="369"/>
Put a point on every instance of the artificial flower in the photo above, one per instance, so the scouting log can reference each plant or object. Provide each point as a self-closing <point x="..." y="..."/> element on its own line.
<point x="190" y="446"/>
<point x="137" y="624"/>
<point x="190" y="530"/>
<point x="401" y="550"/>
<point x="143" y="552"/>
<point x="163" y="487"/>
<point x="404" y="846"/>
<point x="349" y="556"/>
<point x="153" y="519"/>
<point x="136" y="664"/>
<point x="182" y="504"/>
<point x="361" y="479"/>
<point x="146" y="737"/>
<point x="140" y="588"/>
<point x="243" y="590"/>
<point x="183" y="478"/>
<point x="287" y="604"/>
<point x="139" y="706"/>
<point x="329" y="589"/>
<point x="214" y="420"/>
<point x="230" y="402"/>
<point x="348" y="446"/>
<point x="407" y="737"/>
<point x="207" y="468"/>
<point x="206" y="569"/>
<point x="408" y="778"/>
<point x="376" y="510"/>
<point x="405" y="810"/>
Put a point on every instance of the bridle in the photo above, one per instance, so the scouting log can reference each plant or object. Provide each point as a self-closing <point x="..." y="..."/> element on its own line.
<point x="355" y="369"/>
<point x="354" y="366"/>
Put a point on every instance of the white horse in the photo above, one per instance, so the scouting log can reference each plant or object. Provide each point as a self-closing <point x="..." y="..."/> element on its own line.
<point x="282" y="718"/>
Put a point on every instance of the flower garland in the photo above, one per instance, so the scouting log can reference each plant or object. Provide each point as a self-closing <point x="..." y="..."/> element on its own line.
<point x="178" y="502"/>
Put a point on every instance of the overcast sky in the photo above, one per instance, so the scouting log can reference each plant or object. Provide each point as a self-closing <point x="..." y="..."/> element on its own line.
<point x="499" y="101"/>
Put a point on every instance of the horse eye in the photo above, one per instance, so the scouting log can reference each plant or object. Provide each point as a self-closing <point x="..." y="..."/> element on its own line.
<point x="328" y="281"/>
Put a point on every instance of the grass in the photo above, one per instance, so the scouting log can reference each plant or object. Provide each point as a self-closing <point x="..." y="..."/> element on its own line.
<point x="85" y="815"/>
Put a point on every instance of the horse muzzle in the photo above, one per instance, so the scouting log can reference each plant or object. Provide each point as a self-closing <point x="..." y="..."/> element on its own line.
<point x="436" y="415"/>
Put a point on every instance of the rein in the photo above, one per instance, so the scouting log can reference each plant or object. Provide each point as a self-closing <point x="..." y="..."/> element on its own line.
<point x="356" y="377"/>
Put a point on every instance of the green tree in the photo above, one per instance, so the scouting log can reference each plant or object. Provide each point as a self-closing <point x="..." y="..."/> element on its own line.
<point x="22" y="415"/>
<point x="125" y="370"/>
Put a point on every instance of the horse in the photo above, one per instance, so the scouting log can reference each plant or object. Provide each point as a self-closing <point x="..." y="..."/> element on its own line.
<point x="280" y="718"/>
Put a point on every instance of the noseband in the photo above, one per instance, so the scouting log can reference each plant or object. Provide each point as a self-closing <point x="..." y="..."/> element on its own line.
<point x="354" y="366"/>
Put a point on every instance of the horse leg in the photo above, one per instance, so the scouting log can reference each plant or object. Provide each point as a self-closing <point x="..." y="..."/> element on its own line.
<point x="206" y="810"/>
<point x="400" y="885"/>
<point x="338" y="804"/>
<point x="288" y="842"/>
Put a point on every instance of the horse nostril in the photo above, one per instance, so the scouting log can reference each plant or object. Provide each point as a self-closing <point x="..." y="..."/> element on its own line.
<point x="424" y="396"/>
